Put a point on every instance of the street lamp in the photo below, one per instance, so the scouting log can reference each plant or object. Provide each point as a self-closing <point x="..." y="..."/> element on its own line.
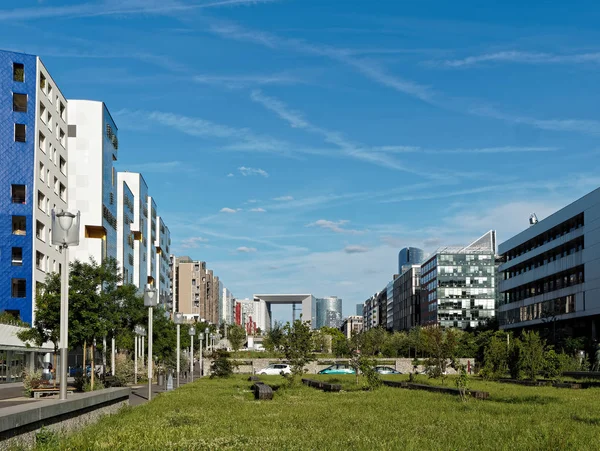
<point x="178" y="319"/>
<point x="150" y="301"/>
<point x="201" y="361"/>
<point x="192" y="333"/>
<point x="206" y="332"/>
<point x="139" y="331"/>
<point x="65" y="233"/>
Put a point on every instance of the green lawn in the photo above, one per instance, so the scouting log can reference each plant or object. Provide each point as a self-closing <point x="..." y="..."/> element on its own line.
<point x="222" y="414"/>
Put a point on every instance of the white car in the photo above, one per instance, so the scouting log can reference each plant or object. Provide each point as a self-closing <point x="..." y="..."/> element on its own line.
<point x="276" y="368"/>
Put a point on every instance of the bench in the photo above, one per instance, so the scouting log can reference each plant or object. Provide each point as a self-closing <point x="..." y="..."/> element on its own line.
<point x="325" y="386"/>
<point x="437" y="389"/>
<point x="253" y="379"/>
<point x="262" y="391"/>
<point x="39" y="392"/>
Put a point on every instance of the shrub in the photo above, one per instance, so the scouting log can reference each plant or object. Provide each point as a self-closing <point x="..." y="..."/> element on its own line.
<point x="495" y="359"/>
<point x="532" y="354"/>
<point x="31" y="380"/>
<point x="46" y="438"/>
<point x="514" y="359"/>
<point x="221" y="365"/>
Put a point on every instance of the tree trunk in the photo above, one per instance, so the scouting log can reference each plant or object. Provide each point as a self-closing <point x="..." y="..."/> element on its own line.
<point x="54" y="368"/>
<point x="84" y="359"/>
<point x="93" y="361"/>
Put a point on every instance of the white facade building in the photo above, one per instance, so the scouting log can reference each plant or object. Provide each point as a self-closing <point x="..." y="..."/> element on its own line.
<point x="125" y="238"/>
<point x="93" y="147"/>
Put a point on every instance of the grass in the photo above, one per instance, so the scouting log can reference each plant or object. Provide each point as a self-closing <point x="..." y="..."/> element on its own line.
<point x="222" y="414"/>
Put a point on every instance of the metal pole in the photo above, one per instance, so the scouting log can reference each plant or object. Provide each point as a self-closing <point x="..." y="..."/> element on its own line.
<point x="135" y="367"/>
<point x="149" y="353"/>
<point x="192" y="358"/>
<point x="142" y="349"/>
<point x="201" y="361"/>
<point x="178" y="351"/>
<point x="64" y="326"/>
<point x="114" y="355"/>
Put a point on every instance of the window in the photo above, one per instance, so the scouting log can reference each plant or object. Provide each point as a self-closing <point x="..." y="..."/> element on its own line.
<point x="50" y="92"/>
<point x="39" y="261"/>
<point x="19" y="102"/>
<point x="17" y="194"/>
<point x="61" y="137"/>
<point x="17" y="256"/>
<point x="61" y="111"/>
<point x="20" y="133"/>
<point x="42" y="172"/>
<point x="42" y="83"/>
<point x="19" y="288"/>
<point x="42" y="113"/>
<point x="41" y="201"/>
<point x="63" y="192"/>
<point x="40" y="231"/>
<point x="72" y="131"/>
<point x="55" y="185"/>
<point x="63" y="166"/>
<point x="49" y="122"/>
<point x="42" y="142"/>
<point x="18" y="72"/>
<point x="19" y="225"/>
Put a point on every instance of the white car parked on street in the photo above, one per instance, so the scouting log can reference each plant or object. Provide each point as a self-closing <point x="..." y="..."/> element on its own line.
<point x="276" y="368"/>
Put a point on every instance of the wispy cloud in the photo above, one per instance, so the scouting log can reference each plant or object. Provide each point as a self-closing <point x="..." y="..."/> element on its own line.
<point x="246" y="249"/>
<point x="230" y="175"/>
<point x="244" y="81"/>
<point x="355" y="249"/>
<point x="296" y="120"/>
<point x="192" y="242"/>
<point x="334" y="226"/>
<point x="227" y="210"/>
<point x="283" y="198"/>
<point x="121" y="8"/>
<point x="516" y="56"/>
<point x="476" y="150"/>
<point x="252" y="171"/>
<point x="258" y="210"/>
<point x="159" y="167"/>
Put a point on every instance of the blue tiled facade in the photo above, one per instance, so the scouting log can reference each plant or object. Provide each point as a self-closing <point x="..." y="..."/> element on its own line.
<point x="17" y="167"/>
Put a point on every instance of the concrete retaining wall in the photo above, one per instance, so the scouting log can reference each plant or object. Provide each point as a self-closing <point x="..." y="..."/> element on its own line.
<point x="20" y="424"/>
<point x="403" y="365"/>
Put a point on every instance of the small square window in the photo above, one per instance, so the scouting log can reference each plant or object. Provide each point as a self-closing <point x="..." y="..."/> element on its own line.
<point x="42" y="82"/>
<point x="63" y="166"/>
<point x="19" y="102"/>
<point x="20" y="133"/>
<point x="40" y="231"/>
<point x="43" y="112"/>
<point x="63" y="192"/>
<point x="42" y="142"/>
<point x="19" y="288"/>
<point x="18" y="72"/>
<point x="17" y="256"/>
<point x="17" y="194"/>
<point x="19" y="225"/>
<point x="39" y="261"/>
<point x="41" y="201"/>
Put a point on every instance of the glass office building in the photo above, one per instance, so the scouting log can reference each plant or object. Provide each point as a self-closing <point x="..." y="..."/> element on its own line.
<point x="410" y="256"/>
<point x="329" y="312"/>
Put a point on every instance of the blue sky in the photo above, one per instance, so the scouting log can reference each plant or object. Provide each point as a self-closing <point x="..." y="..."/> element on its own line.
<point x="297" y="145"/>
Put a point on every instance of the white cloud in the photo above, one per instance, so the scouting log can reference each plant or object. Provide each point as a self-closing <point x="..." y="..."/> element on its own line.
<point x="355" y="249"/>
<point x="246" y="250"/>
<point x="258" y="210"/>
<point x="252" y="201"/>
<point x="515" y="56"/>
<point x="192" y="242"/>
<point x="283" y="198"/>
<point x="243" y="81"/>
<point x="159" y="167"/>
<point x="334" y="226"/>
<point x="230" y="175"/>
<point x="227" y="210"/>
<point x="252" y="171"/>
<point x="475" y="150"/>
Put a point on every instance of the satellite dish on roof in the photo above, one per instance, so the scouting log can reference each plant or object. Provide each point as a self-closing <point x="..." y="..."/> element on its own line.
<point x="533" y="220"/>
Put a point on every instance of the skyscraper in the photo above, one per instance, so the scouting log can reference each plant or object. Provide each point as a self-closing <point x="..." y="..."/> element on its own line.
<point x="410" y="256"/>
<point x="329" y="312"/>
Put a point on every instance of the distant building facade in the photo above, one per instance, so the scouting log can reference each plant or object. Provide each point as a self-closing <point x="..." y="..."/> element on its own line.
<point x="410" y="256"/>
<point x="329" y="312"/>
<point x="459" y="285"/>
<point x="407" y="299"/>
<point x="352" y="325"/>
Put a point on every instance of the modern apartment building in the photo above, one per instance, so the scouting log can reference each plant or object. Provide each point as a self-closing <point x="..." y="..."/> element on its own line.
<point x="459" y="285"/>
<point x="329" y="312"/>
<point x="359" y="309"/>
<point x="151" y="235"/>
<point x="162" y="279"/>
<point x="407" y="299"/>
<point x="352" y="325"/>
<point x="93" y="149"/>
<point x="125" y="236"/>
<point x="552" y="272"/>
<point x="33" y="171"/>
<point x="134" y="183"/>
<point x="389" y="306"/>
<point x="410" y="256"/>
<point x="371" y="312"/>
<point x="226" y="312"/>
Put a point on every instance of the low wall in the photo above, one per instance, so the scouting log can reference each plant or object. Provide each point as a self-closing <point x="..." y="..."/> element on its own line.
<point x="403" y="365"/>
<point x="20" y="424"/>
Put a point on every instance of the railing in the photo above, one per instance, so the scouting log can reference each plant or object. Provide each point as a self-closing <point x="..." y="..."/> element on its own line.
<point x="18" y="199"/>
<point x="19" y="293"/>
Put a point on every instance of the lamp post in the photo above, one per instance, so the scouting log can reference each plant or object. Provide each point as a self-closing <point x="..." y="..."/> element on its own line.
<point x="206" y="332"/>
<point x="139" y="332"/>
<point x="65" y="233"/>
<point x="150" y="301"/>
<point x="192" y="332"/>
<point x="178" y="319"/>
<point x="201" y="361"/>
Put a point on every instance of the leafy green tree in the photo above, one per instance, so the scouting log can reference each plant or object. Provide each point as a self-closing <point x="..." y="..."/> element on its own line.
<point x="495" y="357"/>
<point x="441" y="347"/>
<point x="297" y="345"/>
<point x="531" y="354"/>
<point x="320" y="341"/>
<point x="221" y="365"/>
<point x="396" y="344"/>
<point x="237" y="336"/>
<point x="416" y="341"/>
<point x="274" y="337"/>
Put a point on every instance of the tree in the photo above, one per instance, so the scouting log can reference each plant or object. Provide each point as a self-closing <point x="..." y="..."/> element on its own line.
<point x="531" y="354"/>
<point x="273" y="339"/>
<point x="495" y="357"/>
<point x="237" y="336"/>
<point x="297" y="345"/>
<point x="441" y="347"/>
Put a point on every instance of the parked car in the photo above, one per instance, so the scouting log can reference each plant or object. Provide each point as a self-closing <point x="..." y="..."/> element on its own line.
<point x="338" y="368"/>
<point x="386" y="370"/>
<point x="275" y="369"/>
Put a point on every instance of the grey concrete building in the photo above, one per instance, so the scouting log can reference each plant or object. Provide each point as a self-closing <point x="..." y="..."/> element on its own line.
<point x="352" y="325"/>
<point x="552" y="272"/>
<point x="407" y="299"/>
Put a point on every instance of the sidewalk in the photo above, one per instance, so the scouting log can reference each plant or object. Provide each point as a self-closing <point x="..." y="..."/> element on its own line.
<point x="139" y="392"/>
